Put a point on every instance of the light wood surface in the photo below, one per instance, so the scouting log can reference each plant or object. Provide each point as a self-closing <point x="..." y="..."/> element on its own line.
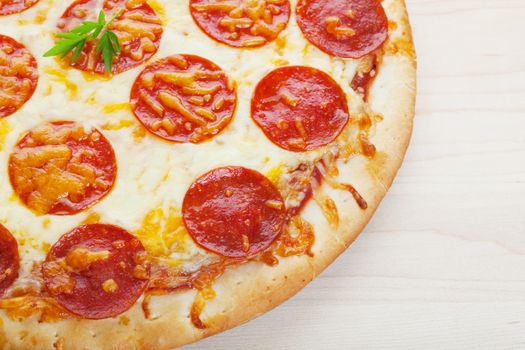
<point x="442" y="264"/>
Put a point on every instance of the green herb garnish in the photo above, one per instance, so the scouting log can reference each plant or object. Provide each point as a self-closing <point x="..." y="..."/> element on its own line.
<point x="76" y="39"/>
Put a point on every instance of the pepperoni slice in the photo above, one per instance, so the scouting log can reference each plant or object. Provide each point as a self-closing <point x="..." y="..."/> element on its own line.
<point x="9" y="260"/>
<point x="8" y="7"/>
<point x="233" y="211"/>
<point x="62" y="168"/>
<point x="138" y="29"/>
<point x="18" y="75"/>
<point x="184" y="98"/>
<point x="241" y="23"/>
<point x="343" y="28"/>
<point x="299" y="108"/>
<point x="96" y="271"/>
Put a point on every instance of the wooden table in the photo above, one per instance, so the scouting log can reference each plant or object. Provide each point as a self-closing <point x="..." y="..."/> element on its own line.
<point x="442" y="264"/>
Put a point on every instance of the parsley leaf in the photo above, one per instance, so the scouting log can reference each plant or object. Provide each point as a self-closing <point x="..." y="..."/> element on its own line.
<point x="75" y="40"/>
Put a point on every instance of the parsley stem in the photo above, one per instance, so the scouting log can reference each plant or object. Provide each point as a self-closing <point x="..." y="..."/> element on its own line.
<point x="114" y="17"/>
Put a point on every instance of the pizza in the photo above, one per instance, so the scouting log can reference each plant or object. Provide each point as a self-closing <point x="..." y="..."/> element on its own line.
<point x="174" y="168"/>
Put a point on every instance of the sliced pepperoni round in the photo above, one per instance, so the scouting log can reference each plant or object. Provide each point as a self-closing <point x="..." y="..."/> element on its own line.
<point x="343" y="28"/>
<point x="18" y="75"/>
<point x="184" y="98"/>
<point x="241" y="23"/>
<point x="299" y="108"/>
<point x="233" y="211"/>
<point x="8" y="7"/>
<point x="62" y="168"/>
<point x="9" y="260"/>
<point x="96" y="271"/>
<point x="138" y="28"/>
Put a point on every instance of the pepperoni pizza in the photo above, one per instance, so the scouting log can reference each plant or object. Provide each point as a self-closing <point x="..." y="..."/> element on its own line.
<point x="182" y="166"/>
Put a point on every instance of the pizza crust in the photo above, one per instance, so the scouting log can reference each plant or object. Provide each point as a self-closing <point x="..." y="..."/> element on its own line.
<point x="240" y="299"/>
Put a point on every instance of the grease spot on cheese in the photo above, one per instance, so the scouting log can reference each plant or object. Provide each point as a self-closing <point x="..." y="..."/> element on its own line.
<point x="5" y="128"/>
<point x="23" y="21"/>
<point x="13" y="198"/>
<point x="27" y="240"/>
<point x="138" y="134"/>
<point x="60" y="76"/>
<point x="401" y="46"/>
<point x="92" y="98"/>
<point x="116" y="107"/>
<point x="392" y="25"/>
<point x="46" y="222"/>
<point x="162" y="232"/>
<point x="45" y="247"/>
<point x="41" y="16"/>
<point x="118" y="125"/>
<point x="280" y="62"/>
<point x="91" y="218"/>
<point x="124" y="320"/>
<point x="275" y="173"/>
<point x="48" y="90"/>
<point x="95" y="77"/>
<point x="47" y="309"/>
<point x="376" y="166"/>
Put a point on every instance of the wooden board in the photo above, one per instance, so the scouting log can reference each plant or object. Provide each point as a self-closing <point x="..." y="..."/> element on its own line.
<point x="442" y="264"/>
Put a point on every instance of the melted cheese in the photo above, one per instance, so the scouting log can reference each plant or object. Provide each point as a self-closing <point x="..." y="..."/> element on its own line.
<point x="80" y="259"/>
<point x="333" y="26"/>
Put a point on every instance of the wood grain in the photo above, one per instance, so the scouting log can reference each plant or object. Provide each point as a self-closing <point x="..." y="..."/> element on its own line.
<point x="442" y="264"/>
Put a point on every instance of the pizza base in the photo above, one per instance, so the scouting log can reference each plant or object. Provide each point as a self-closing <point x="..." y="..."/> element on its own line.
<point x="240" y="299"/>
